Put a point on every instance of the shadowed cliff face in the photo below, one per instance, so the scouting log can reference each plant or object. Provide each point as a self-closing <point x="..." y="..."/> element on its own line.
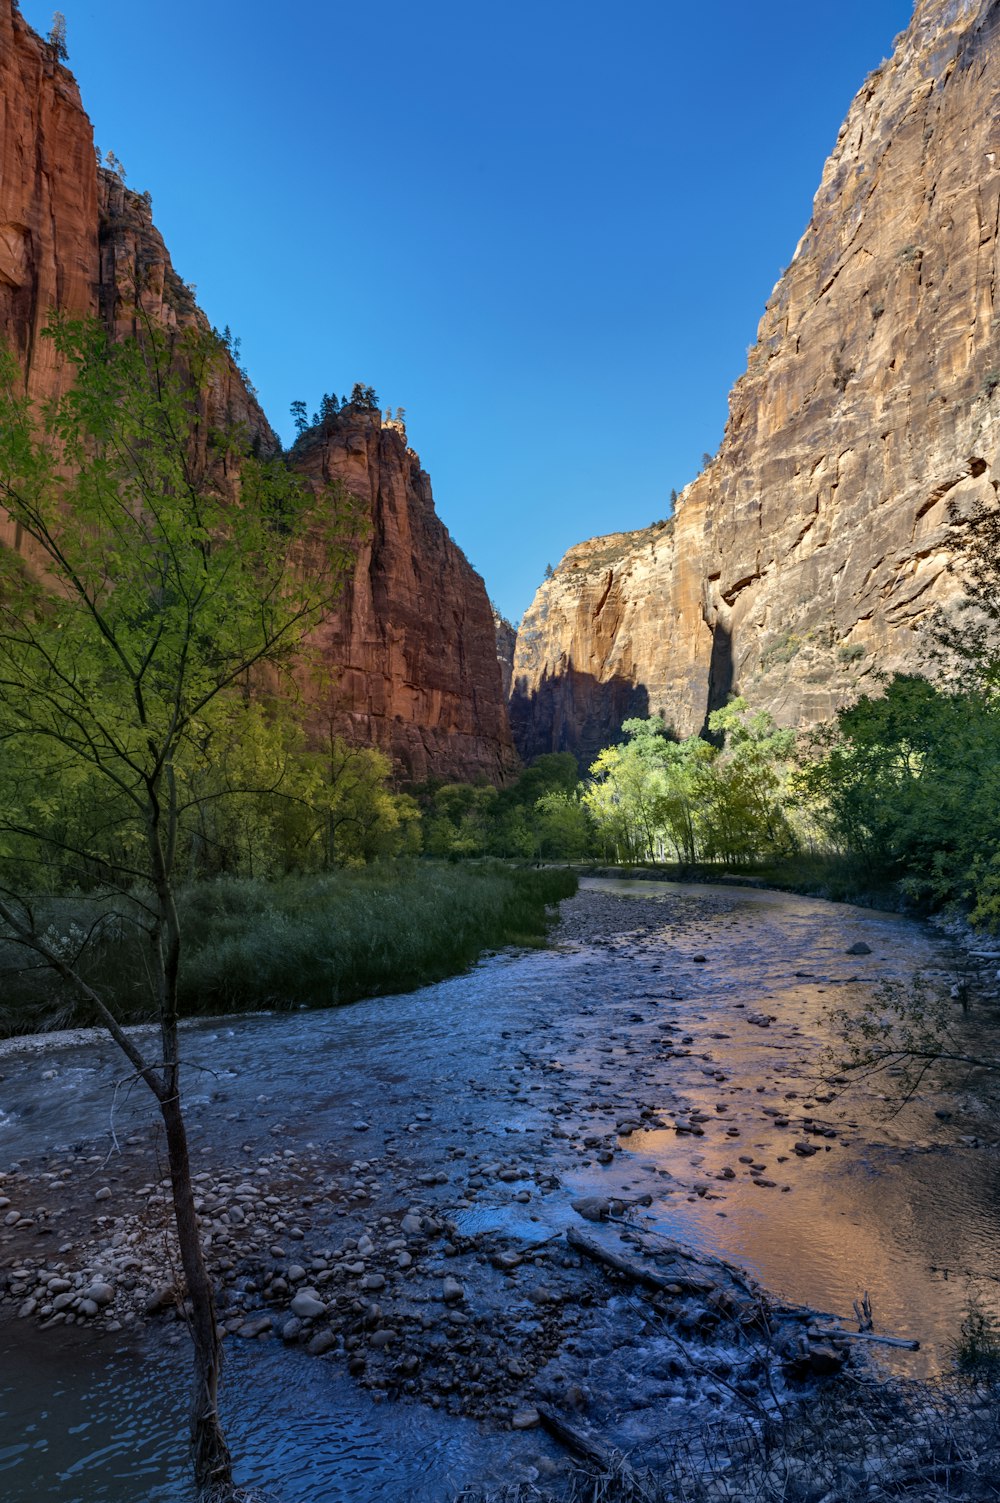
<point x="813" y="547"/>
<point x="412" y="649"/>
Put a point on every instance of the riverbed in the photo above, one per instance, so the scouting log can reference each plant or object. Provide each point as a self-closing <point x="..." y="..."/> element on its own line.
<point x="669" y="1055"/>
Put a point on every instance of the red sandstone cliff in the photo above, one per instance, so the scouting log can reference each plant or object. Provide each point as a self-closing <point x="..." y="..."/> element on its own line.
<point x="413" y="646"/>
<point x="413" y="640"/>
<point x="811" y="549"/>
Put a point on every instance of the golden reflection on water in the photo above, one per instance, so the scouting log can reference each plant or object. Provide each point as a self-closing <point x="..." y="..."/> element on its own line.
<point x="871" y="1202"/>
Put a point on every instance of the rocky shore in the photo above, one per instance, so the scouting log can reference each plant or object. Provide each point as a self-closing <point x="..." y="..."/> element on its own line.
<point x="487" y="1234"/>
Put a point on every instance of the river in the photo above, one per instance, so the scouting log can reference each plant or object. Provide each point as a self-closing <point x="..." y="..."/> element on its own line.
<point x="665" y="1051"/>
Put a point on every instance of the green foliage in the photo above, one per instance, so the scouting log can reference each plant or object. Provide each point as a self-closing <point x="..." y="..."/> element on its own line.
<point x="781" y="650"/>
<point x="57" y="37"/>
<point x="151" y="590"/>
<point x="538" y="815"/>
<point x="314" y="941"/>
<point x="909" y="784"/>
<point x="364" y="396"/>
<point x="654" y="797"/>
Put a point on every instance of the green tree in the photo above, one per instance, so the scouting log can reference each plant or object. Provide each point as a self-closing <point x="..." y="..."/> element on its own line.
<point x="299" y="418"/>
<point x="908" y="784"/>
<point x="564" y="828"/>
<point x="57" y="37"/>
<point x="458" y="823"/>
<point x="364" y="396"/>
<point x="146" y="596"/>
<point x="748" y="818"/>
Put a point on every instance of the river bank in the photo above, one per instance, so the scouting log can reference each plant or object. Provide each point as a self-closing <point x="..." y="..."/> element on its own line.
<point x="392" y="1186"/>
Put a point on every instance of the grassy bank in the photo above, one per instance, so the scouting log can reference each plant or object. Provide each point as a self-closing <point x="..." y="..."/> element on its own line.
<point x="314" y="941"/>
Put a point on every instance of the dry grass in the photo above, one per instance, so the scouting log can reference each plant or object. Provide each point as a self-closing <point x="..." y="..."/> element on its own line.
<point x="859" y="1443"/>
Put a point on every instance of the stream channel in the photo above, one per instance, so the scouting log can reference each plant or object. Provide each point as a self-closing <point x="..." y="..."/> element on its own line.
<point x="665" y="1051"/>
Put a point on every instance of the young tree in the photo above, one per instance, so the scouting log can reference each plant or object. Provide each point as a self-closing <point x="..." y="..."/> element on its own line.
<point x="146" y="595"/>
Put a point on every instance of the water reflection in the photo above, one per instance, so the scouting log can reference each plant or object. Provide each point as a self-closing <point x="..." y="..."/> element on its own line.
<point x="703" y="1009"/>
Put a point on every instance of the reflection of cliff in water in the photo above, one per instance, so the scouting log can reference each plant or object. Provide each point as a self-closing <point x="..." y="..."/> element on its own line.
<point x="573" y="712"/>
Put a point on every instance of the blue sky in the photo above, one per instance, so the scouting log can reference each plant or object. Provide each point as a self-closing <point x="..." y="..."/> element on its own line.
<point x="547" y="230"/>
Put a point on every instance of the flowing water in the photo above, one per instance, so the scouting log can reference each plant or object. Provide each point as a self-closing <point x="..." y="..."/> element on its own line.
<point x="699" y="1013"/>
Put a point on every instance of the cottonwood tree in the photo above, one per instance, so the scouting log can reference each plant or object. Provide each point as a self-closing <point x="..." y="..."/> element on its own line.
<point x="160" y="568"/>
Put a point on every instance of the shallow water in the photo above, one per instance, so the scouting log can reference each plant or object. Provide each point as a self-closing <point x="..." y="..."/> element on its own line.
<point x="530" y="1053"/>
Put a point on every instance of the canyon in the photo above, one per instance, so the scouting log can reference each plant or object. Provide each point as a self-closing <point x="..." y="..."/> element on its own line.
<point x="807" y="556"/>
<point x="412" y="646"/>
<point x="800" y="565"/>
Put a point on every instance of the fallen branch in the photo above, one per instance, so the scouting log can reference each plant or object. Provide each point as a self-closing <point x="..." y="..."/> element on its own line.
<point x="609" y="1463"/>
<point x="905" y="1342"/>
<point x="631" y="1269"/>
<point x="580" y="1442"/>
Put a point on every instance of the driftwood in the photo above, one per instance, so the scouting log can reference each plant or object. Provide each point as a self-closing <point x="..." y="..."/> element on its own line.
<point x="580" y="1442"/>
<point x="905" y="1342"/>
<point x="653" y="1278"/>
<point x="632" y="1269"/>
<point x="589" y="1448"/>
<point x="668" y="1248"/>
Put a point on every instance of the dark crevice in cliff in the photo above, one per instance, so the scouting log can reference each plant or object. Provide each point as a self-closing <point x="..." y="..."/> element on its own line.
<point x="721" y="673"/>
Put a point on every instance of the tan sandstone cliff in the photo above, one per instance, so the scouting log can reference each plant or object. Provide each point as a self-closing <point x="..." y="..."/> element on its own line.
<point x="815" y="543"/>
<point x="413" y="647"/>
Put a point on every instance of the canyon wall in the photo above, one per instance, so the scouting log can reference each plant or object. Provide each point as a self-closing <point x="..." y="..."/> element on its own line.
<point x="812" y="548"/>
<point x="413" y="640"/>
<point x="412" y="649"/>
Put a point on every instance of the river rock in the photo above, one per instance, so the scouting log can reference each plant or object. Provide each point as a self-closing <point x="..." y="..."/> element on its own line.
<point x="160" y="1299"/>
<point x="592" y="1207"/>
<point x="307" y="1305"/>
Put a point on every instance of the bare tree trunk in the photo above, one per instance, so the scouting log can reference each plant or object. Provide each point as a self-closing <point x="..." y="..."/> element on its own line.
<point x="213" y="1467"/>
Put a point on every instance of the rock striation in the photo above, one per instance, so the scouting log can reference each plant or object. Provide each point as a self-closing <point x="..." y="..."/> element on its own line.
<point x="412" y="650"/>
<point x="812" y="548"/>
<point x="413" y="641"/>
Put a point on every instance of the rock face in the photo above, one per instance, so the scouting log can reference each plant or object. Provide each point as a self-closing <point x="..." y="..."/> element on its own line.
<point x="412" y="650"/>
<point x="814" y="545"/>
<point x="413" y="642"/>
<point x="48" y="196"/>
<point x="506" y="641"/>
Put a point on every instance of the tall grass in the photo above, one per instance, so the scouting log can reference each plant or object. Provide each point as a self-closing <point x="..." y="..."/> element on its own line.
<point x="314" y="941"/>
